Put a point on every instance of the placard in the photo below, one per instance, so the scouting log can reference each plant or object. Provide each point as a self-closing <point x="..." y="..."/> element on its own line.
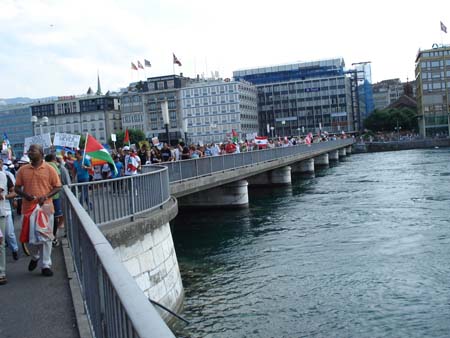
<point x="66" y="140"/>
<point x="44" y="140"/>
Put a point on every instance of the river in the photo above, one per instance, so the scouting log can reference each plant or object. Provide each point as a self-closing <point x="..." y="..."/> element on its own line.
<point x="360" y="250"/>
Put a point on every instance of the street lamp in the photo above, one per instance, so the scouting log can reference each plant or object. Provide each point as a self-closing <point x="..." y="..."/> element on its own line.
<point x="165" y="116"/>
<point x="34" y="120"/>
<point x="398" y="128"/>
<point x="271" y="129"/>
<point x="184" y="126"/>
<point x="298" y="129"/>
<point x="283" y="123"/>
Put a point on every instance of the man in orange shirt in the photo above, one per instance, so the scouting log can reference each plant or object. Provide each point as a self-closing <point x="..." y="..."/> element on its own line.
<point x="37" y="182"/>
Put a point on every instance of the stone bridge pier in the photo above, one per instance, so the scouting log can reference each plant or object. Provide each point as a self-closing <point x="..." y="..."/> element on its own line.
<point x="231" y="195"/>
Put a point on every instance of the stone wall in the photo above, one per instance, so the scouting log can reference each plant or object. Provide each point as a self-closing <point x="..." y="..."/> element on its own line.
<point x="400" y="145"/>
<point x="146" y="248"/>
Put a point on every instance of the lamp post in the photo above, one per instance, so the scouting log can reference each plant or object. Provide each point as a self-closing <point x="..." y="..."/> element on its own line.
<point x="165" y="116"/>
<point x="271" y="129"/>
<point x="184" y="126"/>
<point x="298" y="130"/>
<point x="35" y="121"/>
<point x="398" y="128"/>
<point x="283" y="123"/>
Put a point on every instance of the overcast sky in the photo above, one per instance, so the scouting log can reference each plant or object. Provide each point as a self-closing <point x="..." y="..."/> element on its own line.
<point x="55" y="48"/>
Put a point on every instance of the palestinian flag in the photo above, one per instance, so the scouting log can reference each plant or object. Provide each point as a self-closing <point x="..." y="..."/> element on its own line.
<point x="97" y="152"/>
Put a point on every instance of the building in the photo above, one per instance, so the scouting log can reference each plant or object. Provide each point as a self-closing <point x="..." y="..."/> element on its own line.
<point x="304" y="97"/>
<point x="365" y="105"/>
<point x="98" y="115"/>
<point x="387" y="92"/>
<point x="433" y="82"/>
<point x="141" y="106"/>
<point x="15" y="123"/>
<point x="213" y="109"/>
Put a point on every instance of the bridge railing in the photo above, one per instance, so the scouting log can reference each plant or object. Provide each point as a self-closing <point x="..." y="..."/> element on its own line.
<point x="187" y="169"/>
<point x="114" y="303"/>
<point x="123" y="198"/>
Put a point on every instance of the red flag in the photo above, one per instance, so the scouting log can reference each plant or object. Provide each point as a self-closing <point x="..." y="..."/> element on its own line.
<point x="133" y="66"/>
<point x="175" y="60"/>
<point x="126" y="138"/>
<point x="140" y="65"/>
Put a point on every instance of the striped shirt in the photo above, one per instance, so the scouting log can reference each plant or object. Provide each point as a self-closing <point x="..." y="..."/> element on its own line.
<point x="37" y="182"/>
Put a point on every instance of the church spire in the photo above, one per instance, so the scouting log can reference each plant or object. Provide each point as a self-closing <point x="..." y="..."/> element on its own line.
<point x="99" y="88"/>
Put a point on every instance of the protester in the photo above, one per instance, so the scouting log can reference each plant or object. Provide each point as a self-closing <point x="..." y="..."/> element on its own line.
<point x="9" y="234"/>
<point x="56" y="199"/>
<point x="132" y="162"/>
<point x="166" y="154"/>
<point x="37" y="183"/>
<point x="3" y="191"/>
<point x="80" y="172"/>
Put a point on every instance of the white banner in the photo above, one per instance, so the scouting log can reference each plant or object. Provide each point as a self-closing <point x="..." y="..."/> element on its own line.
<point x="66" y="140"/>
<point x="44" y="140"/>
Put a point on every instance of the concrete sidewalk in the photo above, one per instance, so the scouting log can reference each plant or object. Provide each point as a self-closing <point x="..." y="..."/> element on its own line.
<point x="35" y="306"/>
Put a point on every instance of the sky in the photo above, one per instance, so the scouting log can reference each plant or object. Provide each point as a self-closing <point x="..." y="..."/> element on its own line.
<point x="56" y="47"/>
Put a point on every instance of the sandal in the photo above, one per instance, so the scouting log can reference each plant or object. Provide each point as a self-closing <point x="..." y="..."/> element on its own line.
<point x="3" y="280"/>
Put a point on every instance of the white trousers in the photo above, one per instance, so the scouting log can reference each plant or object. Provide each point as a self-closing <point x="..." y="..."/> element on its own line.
<point x="42" y="252"/>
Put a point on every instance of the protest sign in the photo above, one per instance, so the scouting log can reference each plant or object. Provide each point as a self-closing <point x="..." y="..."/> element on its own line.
<point x="44" y="140"/>
<point x="66" y="140"/>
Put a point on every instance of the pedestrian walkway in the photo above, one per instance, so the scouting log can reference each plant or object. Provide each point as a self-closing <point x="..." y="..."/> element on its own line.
<point x="35" y="306"/>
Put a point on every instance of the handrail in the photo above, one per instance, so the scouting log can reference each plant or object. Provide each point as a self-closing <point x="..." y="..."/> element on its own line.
<point x="115" y="305"/>
<point x="123" y="198"/>
<point x="194" y="168"/>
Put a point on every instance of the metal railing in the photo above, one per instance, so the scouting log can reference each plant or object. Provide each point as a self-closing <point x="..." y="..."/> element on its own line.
<point x="123" y="198"/>
<point x="188" y="169"/>
<point x="115" y="305"/>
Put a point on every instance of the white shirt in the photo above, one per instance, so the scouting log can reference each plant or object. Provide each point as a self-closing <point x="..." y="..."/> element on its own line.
<point x="3" y="192"/>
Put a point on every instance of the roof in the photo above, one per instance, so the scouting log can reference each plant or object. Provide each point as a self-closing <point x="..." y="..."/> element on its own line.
<point x="404" y="101"/>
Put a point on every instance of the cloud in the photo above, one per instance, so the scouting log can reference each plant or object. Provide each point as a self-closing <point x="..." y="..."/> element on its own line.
<point x="56" y="47"/>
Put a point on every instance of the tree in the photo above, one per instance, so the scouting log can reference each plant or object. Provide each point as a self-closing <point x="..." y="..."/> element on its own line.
<point x="136" y="136"/>
<point x="389" y="119"/>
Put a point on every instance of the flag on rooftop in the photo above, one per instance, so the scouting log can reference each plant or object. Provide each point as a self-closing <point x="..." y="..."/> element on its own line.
<point x="175" y="60"/>
<point x="140" y="65"/>
<point x="443" y="28"/>
<point x="133" y="66"/>
<point x="147" y="63"/>
<point x="96" y="151"/>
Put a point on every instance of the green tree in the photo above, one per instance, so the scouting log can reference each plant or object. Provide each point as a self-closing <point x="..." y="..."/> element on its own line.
<point x="388" y="119"/>
<point x="136" y="136"/>
<point x="82" y="141"/>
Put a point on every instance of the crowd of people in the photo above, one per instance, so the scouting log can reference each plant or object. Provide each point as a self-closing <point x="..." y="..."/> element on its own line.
<point x="31" y="186"/>
<point x="130" y="159"/>
<point x="35" y="180"/>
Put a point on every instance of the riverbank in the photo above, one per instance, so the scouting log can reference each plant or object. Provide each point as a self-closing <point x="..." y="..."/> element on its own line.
<point x="370" y="147"/>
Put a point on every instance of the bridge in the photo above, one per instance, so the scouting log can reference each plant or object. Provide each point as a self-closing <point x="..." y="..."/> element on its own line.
<point x="120" y="238"/>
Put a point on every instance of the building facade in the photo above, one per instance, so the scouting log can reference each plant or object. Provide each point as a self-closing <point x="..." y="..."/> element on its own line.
<point x="213" y="109"/>
<point x="98" y="115"/>
<point x="433" y="82"/>
<point x="141" y="106"/>
<point x="303" y="97"/>
<point x="387" y="92"/>
<point x="15" y="123"/>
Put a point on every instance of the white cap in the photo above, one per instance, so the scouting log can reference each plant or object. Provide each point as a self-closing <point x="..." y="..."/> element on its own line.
<point x="126" y="148"/>
<point x="24" y="159"/>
